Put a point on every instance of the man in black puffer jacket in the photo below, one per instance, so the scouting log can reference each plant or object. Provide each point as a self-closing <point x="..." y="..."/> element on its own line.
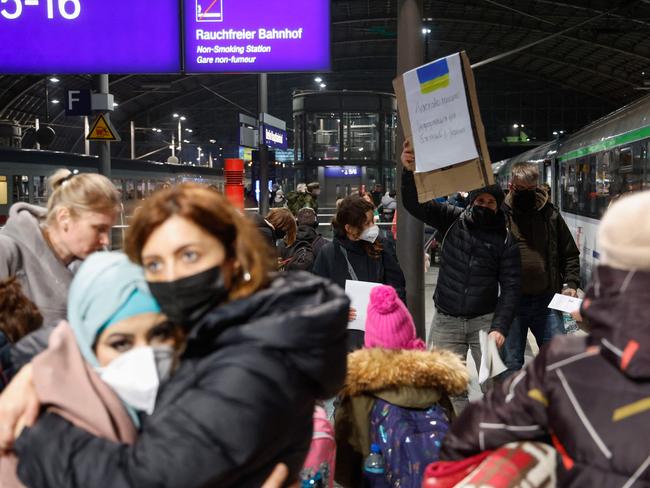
<point x="479" y="281"/>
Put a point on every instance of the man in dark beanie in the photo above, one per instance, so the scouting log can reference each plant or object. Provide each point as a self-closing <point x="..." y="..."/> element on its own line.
<point x="480" y="270"/>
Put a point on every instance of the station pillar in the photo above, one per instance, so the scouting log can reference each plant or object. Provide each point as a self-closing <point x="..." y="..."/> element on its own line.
<point x="410" y="231"/>
<point x="100" y="85"/>
<point x="264" y="150"/>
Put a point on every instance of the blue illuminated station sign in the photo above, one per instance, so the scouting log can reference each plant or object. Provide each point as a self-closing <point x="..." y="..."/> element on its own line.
<point x="148" y="37"/>
<point x="342" y="171"/>
<point x="274" y="137"/>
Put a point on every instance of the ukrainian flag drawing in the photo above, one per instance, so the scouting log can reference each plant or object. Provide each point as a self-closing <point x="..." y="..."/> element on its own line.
<point x="433" y="76"/>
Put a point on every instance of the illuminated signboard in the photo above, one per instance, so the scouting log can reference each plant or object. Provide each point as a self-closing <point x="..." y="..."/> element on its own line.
<point x="342" y="171"/>
<point x="90" y="36"/>
<point x="256" y="35"/>
<point x="274" y="137"/>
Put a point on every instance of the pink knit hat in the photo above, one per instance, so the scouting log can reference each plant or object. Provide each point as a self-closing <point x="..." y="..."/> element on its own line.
<point x="389" y="324"/>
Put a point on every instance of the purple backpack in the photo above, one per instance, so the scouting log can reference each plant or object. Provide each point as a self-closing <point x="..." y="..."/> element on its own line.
<point x="410" y="440"/>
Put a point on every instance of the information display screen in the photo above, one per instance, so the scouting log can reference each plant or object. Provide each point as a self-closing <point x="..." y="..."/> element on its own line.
<point x="90" y="36"/>
<point x="256" y="35"/>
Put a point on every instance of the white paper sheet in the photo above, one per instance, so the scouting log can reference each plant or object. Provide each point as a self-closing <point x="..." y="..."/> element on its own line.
<point x="565" y="303"/>
<point x="359" y="294"/>
<point x="439" y="114"/>
<point x="491" y="363"/>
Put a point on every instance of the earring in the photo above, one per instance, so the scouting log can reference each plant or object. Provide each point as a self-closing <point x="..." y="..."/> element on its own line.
<point x="246" y="277"/>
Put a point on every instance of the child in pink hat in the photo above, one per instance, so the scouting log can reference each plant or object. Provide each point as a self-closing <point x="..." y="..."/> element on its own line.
<point x="389" y="323"/>
<point x="392" y="385"/>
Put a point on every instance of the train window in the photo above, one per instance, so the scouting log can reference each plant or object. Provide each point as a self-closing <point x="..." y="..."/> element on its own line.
<point x="130" y="190"/>
<point x="40" y="190"/>
<point x="585" y="185"/>
<point x="628" y="175"/>
<point x="21" y="188"/>
<point x="3" y="190"/>
<point x="140" y="184"/>
<point x="625" y="160"/>
<point x="118" y="185"/>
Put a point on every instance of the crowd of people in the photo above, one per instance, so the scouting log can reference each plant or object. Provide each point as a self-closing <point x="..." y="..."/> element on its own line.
<point x="202" y="354"/>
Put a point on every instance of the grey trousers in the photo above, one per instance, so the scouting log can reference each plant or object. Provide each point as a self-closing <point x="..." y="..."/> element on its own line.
<point x="457" y="335"/>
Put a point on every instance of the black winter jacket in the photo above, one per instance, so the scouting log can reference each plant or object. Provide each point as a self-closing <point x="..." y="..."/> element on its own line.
<point x="241" y="401"/>
<point x="589" y="394"/>
<point x="330" y="263"/>
<point x="480" y="268"/>
<point x="562" y="255"/>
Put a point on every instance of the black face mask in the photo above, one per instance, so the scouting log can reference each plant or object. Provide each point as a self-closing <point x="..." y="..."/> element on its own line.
<point x="186" y="300"/>
<point x="484" y="216"/>
<point x="280" y="234"/>
<point x="525" y="200"/>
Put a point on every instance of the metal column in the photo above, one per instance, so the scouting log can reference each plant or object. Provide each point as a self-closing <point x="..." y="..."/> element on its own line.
<point x="264" y="152"/>
<point x="101" y="86"/>
<point x="410" y="231"/>
<point x="132" y="140"/>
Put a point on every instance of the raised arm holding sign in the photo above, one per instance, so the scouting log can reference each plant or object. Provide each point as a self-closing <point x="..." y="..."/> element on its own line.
<point x="439" y="112"/>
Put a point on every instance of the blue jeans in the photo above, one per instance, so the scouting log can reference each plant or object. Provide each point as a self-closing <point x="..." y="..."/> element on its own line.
<point x="532" y="313"/>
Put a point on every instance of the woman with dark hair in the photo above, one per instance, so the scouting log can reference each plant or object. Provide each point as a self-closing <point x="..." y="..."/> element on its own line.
<point x="18" y="317"/>
<point x="279" y="224"/>
<point x="260" y="349"/>
<point x="357" y="253"/>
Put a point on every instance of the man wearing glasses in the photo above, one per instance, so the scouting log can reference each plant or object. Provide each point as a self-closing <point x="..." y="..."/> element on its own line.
<point x="550" y="262"/>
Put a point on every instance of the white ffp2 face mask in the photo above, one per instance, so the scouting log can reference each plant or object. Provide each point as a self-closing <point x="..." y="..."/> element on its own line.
<point x="134" y="378"/>
<point x="370" y="234"/>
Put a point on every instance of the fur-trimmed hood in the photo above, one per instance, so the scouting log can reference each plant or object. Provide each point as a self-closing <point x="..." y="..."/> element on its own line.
<point x="375" y="369"/>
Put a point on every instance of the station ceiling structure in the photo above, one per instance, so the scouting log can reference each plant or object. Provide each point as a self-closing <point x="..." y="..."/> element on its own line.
<point x="570" y="63"/>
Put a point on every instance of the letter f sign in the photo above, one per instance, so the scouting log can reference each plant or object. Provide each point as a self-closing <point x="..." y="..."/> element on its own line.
<point x="73" y="96"/>
<point x="78" y="102"/>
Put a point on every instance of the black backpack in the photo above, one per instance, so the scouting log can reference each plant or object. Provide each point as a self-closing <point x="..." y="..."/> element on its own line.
<point x="300" y="257"/>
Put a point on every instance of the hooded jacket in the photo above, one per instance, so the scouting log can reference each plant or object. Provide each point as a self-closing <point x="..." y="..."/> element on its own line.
<point x="406" y="378"/>
<point x="480" y="268"/>
<point x="547" y="246"/>
<point x="591" y="394"/>
<point x="241" y="401"/>
<point x="24" y="253"/>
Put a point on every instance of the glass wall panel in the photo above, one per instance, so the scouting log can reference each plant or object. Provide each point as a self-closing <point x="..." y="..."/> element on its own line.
<point x="322" y="136"/>
<point x="390" y="125"/>
<point x="361" y="136"/>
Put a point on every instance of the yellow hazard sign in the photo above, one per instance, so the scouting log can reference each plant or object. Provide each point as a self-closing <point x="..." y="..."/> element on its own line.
<point x="102" y="130"/>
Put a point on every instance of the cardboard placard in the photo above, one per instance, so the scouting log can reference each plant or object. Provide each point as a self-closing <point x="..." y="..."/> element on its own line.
<point x="463" y="176"/>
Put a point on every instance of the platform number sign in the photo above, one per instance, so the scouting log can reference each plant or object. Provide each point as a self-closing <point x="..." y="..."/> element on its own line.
<point x="209" y="10"/>
<point x="66" y="9"/>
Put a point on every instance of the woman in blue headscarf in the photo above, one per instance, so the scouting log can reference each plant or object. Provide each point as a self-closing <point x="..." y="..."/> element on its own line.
<point x="103" y="366"/>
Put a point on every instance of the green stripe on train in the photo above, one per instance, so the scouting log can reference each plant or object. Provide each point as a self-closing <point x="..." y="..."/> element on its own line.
<point x="626" y="138"/>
